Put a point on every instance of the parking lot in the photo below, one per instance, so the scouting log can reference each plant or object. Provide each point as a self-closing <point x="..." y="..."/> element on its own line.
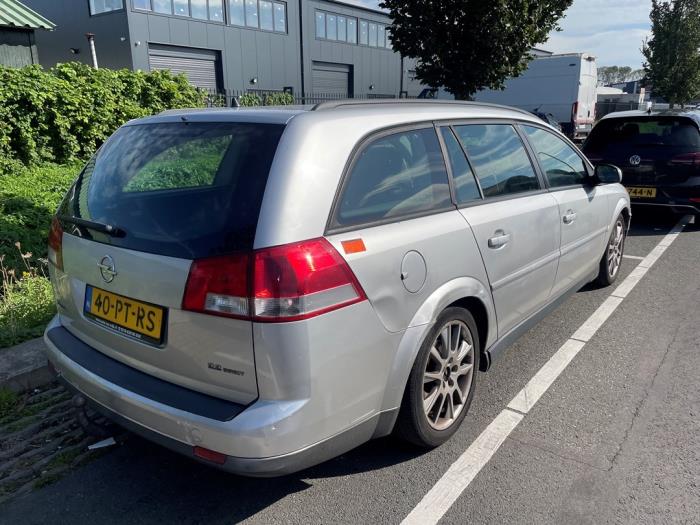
<point x="615" y="438"/>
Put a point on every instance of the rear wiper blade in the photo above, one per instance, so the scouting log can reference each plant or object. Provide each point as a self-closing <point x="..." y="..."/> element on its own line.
<point x="109" y="229"/>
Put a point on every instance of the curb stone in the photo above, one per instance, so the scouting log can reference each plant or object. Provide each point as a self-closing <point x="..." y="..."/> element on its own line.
<point x="24" y="366"/>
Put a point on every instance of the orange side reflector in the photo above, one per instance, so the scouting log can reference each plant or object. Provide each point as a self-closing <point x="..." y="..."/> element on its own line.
<point x="354" y="246"/>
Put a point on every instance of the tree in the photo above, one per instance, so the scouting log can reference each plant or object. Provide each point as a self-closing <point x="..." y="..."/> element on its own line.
<point x="616" y="74"/>
<point x="673" y="53"/>
<point x="467" y="45"/>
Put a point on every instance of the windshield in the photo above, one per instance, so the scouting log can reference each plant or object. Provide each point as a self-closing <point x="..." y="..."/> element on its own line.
<point x="185" y="190"/>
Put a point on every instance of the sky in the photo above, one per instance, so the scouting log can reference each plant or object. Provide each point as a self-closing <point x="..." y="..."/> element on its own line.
<point x="612" y="30"/>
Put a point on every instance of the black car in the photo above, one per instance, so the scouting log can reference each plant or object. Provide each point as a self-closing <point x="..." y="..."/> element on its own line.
<point x="658" y="152"/>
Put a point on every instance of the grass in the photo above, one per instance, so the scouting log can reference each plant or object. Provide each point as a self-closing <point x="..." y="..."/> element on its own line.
<point x="28" y="198"/>
<point x="8" y="402"/>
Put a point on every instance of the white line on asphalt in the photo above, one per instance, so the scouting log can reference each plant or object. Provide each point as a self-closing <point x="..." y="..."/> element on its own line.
<point x="448" y="488"/>
<point x="635" y="257"/>
<point x="441" y="497"/>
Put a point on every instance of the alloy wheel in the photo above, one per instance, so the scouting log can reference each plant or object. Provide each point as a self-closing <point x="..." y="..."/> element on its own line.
<point x="615" y="247"/>
<point x="448" y="375"/>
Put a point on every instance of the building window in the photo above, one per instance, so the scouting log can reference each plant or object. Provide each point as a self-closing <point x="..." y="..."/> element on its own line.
<point x="251" y="13"/>
<point x="364" y="33"/>
<point x="342" y="29"/>
<point x="352" y="30"/>
<point x="259" y="14"/>
<point x="280" y="17"/>
<point x="198" y="9"/>
<point x="182" y="7"/>
<point x="266" y="15"/>
<point x="216" y="10"/>
<point x="331" y="27"/>
<point x="320" y="25"/>
<point x="237" y="11"/>
<point x="105" y="6"/>
<point x="373" y="35"/>
<point x="387" y="38"/>
<point x="163" y="6"/>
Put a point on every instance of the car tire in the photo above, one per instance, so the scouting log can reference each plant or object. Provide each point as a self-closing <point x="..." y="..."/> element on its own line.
<point x="444" y="374"/>
<point x="614" y="250"/>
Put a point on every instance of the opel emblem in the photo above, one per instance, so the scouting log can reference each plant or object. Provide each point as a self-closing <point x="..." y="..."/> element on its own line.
<point x="635" y="160"/>
<point x="106" y="266"/>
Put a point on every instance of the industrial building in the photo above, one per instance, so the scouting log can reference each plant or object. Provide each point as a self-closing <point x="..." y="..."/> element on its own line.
<point x="302" y="46"/>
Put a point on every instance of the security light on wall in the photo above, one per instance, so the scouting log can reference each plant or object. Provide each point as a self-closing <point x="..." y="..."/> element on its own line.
<point x="254" y="80"/>
<point x="371" y="87"/>
<point x="75" y="50"/>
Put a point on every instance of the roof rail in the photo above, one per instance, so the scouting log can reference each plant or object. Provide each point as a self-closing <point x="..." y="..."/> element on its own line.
<point x="333" y="104"/>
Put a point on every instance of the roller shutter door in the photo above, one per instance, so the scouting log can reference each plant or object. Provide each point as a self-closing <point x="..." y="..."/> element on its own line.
<point x="201" y="66"/>
<point x="331" y="78"/>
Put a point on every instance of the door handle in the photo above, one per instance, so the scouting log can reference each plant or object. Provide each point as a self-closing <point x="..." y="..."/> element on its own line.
<point x="499" y="240"/>
<point x="569" y="217"/>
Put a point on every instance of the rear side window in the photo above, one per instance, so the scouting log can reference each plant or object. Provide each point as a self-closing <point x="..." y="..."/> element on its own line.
<point x="499" y="159"/>
<point x="465" y="184"/>
<point x="676" y="132"/>
<point x="562" y="165"/>
<point x="186" y="190"/>
<point x="395" y="176"/>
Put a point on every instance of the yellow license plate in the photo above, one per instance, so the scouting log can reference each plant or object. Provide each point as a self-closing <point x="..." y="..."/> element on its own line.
<point x="127" y="316"/>
<point x="642" y="193"/>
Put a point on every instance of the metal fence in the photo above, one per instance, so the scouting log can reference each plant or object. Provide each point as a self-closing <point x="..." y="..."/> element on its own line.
<point x="228" y="98"/>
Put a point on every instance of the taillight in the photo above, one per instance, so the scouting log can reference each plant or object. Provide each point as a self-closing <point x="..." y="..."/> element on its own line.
<point x="283" y="283"/>
<point x="219" y="286"/>
<point x="574" y="113"/>
<point x="56" y="244"/>
<point x="687" y="159"/>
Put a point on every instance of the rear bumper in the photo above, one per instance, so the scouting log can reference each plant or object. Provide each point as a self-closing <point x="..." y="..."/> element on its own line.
<point x="181" y="419"/>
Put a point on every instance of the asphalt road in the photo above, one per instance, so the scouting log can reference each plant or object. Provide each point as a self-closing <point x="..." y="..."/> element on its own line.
<point x="616" y="438"/>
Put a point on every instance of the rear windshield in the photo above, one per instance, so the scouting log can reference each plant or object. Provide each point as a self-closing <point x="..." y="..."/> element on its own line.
<point x="186" y="190"/>
<point x="643" y="131"/>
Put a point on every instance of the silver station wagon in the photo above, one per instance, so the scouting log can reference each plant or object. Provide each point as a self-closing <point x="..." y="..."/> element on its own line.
<point x="264" y="289"/>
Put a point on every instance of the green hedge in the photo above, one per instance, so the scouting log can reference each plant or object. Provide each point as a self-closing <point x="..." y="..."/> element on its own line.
<point x="29" y="197"/>
<point x="66" y="112"/>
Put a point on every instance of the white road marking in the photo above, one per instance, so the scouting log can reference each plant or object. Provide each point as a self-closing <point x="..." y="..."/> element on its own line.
<point x="635" y="257"/>
<point x="544" y="378"/>
<point x="448" y="488"/>
<point x="446" y="491"/>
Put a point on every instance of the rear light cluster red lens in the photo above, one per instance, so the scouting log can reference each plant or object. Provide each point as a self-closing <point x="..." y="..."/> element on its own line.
<point x="284" y="283"/>
<point x="687" y="159"/>
<point x="56" y="244"/>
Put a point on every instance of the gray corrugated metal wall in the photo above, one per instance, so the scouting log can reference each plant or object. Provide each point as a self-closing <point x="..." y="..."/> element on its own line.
<point x="17" y="48"/>
<point x="331" y="78"/>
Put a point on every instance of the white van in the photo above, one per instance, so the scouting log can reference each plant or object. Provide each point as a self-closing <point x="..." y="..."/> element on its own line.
<point x="563" y="86"/>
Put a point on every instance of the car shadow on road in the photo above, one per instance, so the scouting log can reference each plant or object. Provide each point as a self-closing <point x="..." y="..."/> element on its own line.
<point x="143" y="482"/>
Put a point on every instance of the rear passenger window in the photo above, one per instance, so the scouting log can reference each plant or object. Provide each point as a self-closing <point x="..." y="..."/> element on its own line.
<point x="559" y="161"/>
<point x="499" y="159"/>
<point x="395" y="176"/>
<point x="465" y="184"/>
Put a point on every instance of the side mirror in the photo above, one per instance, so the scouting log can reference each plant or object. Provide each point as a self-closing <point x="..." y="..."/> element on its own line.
<point x="608" y="174"/>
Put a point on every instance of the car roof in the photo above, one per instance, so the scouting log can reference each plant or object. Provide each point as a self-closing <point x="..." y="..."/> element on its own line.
<point x="689" y="113"/>
<point x="415" y="109"/>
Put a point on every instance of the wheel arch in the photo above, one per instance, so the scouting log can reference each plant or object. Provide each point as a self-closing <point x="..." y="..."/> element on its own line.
<point x="465" y="292"/>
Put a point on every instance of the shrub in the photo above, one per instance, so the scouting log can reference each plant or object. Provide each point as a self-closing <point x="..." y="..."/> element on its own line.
<point x="278" y="99"/>
<point x="249" y="99"/>
<point x="29" y="197"/>
<point x="26" y="303"/>
<point x="65" y="113"/>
